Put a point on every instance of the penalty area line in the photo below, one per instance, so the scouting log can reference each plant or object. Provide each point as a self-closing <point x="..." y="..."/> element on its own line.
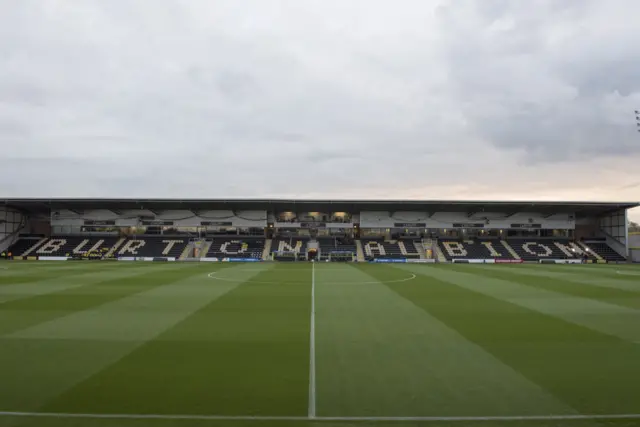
<point x="318" y="418"/>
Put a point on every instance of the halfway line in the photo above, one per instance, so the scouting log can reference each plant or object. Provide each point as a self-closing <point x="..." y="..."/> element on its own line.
<point x="312" y="346"/>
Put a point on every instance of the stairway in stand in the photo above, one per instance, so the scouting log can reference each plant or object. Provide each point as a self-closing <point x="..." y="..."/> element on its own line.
<point x="188" y="250"/>
<point x="421" y="249"/>
<point x="267" y="249"/>
<point x="204" y="248"/>
<point x="439" y="255"/>
<point x="359" y="251"/>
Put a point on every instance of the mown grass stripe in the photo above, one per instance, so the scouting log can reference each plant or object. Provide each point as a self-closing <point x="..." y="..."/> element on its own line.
<point x="132" y="317"/>
<point x="36" y="370"/>
<point x="591" y="371"/>
<point x="48" y="284"/>
<point x="381" y="355"/>
<point x="614" y="280"/>
<point x="575" y="287"/>
<point x="80" y="293"/>
<point x="17" y="278"/>
<point x="599" y="316"/>
<point x="245" y="352"/>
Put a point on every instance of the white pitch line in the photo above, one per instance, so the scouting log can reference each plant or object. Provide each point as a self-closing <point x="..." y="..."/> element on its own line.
<point x="312" y="346"/>
<point x="300" y="269"/>
<point x="212" y="275"/>
<point x="302" y="418"/>
<point x="152" y="416"/>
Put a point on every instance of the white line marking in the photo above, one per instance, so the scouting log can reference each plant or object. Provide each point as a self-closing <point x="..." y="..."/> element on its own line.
<point x="327" y="268"/>
<point x="489" y="418"/>
<point x="212" y="275"/>
<point x="312" y="346"/>
<point x="150" y="416"/>
<point x="302" y="418"/>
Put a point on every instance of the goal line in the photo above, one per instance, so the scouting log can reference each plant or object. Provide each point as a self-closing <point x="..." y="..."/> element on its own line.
<point x="317" y="418"/>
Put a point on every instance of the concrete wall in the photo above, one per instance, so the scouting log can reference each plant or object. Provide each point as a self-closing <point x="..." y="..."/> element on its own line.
<point x="634" y="246"/>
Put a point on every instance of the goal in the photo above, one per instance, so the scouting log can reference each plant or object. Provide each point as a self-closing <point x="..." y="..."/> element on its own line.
<point x="341" y="256"/>
<point x="285" y="256"/>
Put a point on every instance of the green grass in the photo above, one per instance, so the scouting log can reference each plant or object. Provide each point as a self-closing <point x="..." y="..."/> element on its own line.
<point x="402" y="340"/>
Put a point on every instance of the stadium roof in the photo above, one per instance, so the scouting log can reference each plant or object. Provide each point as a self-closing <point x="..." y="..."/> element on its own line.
<point x="280" y="205"/>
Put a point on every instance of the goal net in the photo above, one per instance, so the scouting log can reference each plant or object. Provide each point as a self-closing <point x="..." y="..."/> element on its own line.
<point x="285" y="256"/>
<point x="341" y="256"/>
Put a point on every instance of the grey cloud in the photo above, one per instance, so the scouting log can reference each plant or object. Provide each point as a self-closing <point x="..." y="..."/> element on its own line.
<point x="614" y="75"/>
<point x="229" y="99"/>
<point x="539" y="79"/>
<point x="11" y="129"/>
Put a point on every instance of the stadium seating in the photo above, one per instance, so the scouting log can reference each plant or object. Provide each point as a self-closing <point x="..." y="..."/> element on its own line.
<point x="528" y="249"/>
<point x="381" y="249"/>
<point x="605" y="251"/>
<point x="531" y="249"/>
<point x="236" y="248"/>
<point x="473" y="249"/>
<point x="74" y="245"/>
<point x="294" y="244"/>
<point x="410" y="247"/>
<point x="153" y="246"/>
<point x="21" y="246"/>
<point x="337" y="244"/>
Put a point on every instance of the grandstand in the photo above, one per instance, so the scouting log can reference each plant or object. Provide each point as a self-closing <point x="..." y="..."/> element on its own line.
<point x="260" y="230"/>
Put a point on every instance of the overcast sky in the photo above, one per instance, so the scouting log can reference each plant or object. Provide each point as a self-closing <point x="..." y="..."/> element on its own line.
<point x="473" y="99"/>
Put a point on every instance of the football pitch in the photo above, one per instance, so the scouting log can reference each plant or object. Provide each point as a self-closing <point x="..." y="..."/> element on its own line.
<point x="102" y="344"/>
